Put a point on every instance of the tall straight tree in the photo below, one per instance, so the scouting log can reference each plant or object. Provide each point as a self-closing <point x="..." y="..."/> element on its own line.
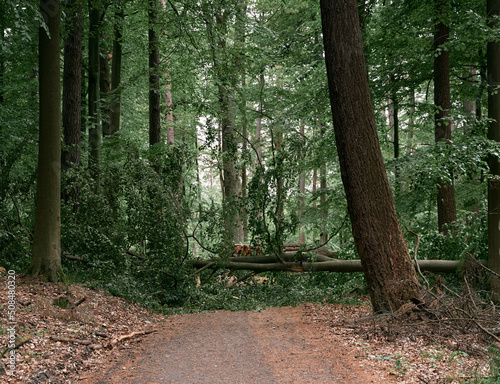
<point x="154" y="76"/>
<point x="95" y="129"/>
<point x="46" y="257"/>
<point x="72" y="98"/>
<point x="105" y="89"/>
<point x="389" y="272"/>
<point x="442" y="101"/>
<point x="493" y="55"/>
<point x="241" y="33"/>
<point x="226" y="79"/>
<point x="116" y="70"/>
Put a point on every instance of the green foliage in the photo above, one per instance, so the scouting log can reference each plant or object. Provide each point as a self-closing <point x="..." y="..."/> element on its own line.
<point x="276" y="289"/>
<point x="130" y="233"/>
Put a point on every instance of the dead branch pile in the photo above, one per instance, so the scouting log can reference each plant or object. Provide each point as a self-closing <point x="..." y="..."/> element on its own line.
<point x="466" y="320"/>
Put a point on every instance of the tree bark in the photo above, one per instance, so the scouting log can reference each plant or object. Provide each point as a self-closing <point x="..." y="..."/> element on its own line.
<point x="241" y="32"/>
<point x="322" y="185"/>
<point x="442" y="101"/>
<point x="394" y="118"/>
<point x="116" y="70"/>
<point x="46" y="256"/>
<point x="493" y="55"/>
<point x="154" y="78"/>
<point x="168" y="100"/>
<point x="433" y="266"/>
<point x="258" y="122"/>
<point x="72" y="97"/>
<point x="389" y="273"/>
<point x="226" y="80"/>
<point x="411" y="123"/>
<point x="302" y="189"/>
<point x="105" y="90"/>
<point x="95" y="131"/>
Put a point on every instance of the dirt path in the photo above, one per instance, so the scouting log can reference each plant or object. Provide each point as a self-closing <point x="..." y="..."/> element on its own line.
<point x="272" y="346"/>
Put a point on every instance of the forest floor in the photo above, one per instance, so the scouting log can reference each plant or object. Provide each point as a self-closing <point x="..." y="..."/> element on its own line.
<point x="105" y="339"/>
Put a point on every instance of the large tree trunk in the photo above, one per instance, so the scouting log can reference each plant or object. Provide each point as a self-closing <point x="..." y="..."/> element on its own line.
<point x="389" y="273"/>
<point x="272" y="263"/>
<point x="494" y="134"/>
<point x="95" y="130"/>
<point x="72" y="97"/>
<point x="46" y="257"/>
<point x="442" y="101"/>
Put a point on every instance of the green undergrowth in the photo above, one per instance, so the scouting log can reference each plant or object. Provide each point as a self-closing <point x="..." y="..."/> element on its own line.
<point x="266" y="290"/>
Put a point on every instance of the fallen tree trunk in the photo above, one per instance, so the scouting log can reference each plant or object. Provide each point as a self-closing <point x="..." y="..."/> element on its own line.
<point x="434" y="266"/>
<point x="287" y="256"/>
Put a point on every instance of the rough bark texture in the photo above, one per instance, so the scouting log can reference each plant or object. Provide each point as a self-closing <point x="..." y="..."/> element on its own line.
<point x="442" y="101"/>
<point x="46" y="257"/>
<point x="154" y="76"/>
<point x="94" y="94"/>
<point x="494" y="134"/>
<point x="388" y="269"/>
<point x="72" y="97"/>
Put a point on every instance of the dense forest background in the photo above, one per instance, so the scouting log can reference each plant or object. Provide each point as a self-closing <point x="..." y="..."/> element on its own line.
<point x="190" y="126"/>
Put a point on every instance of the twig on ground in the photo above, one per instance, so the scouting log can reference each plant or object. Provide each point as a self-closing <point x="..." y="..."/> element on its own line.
<point x="118" y="339"/>
<point x="70" y="340"/>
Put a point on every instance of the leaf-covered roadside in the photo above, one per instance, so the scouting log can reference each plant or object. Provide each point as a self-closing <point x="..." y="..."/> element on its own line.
<point x="63" y="341"/>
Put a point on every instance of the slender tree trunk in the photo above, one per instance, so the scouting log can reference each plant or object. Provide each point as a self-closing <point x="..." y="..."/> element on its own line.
<point x="241" y="31"/>
<point x="442" y="101"/>
<point x="105" y="90"/>
<point x="46" y="257"/>
<point x="72" y="97"/>
<point x="168" y="100"/>
<point x="258" y="123"/>
<point x="170" y="114"/>
<point x="322" y="185"/>
<point x="302" y="189"/>
<point x="116" y="70"/>
<point x="394" y="113"/>
<point x="494" y="134"/>
<point x="95" y="131"/>
<point x="314" y="186"/>
<point x="411" y="123"/>
<point x="154" y="77"/>
<point x="226" y="80"/>
<point x="389" y="273"/>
